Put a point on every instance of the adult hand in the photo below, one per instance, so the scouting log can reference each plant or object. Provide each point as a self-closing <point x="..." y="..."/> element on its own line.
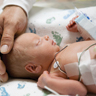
<point x="13" y="22"/>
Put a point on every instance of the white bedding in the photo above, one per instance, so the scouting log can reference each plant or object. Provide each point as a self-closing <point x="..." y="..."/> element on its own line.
<point x="53" y="22"/>
<point x="44" y="21"/>
<point x="21" y="87"/>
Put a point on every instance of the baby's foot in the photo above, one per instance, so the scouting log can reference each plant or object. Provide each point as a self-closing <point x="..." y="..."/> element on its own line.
<point x="72" y="25"/>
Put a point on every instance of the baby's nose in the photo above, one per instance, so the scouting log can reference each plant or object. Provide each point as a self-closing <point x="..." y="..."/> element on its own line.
<point x="46" y="37"/>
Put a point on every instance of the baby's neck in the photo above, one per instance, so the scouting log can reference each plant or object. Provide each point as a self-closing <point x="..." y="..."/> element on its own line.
<point x="57" y="58"/>
<point x="50" y="66"/>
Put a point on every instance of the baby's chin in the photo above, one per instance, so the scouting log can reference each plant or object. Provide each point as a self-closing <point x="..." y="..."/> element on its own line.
<point x="58" y="48"/>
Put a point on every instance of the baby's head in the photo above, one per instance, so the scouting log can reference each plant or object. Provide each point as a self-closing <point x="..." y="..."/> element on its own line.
<point x="30" y="56"/>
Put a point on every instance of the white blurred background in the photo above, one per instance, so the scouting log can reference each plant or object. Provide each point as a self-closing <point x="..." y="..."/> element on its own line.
<point x="64" y="4"/>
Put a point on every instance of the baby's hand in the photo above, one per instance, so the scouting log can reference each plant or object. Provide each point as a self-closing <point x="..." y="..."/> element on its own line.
<point x="72" y="25"/>
<point x="43" y="79"/>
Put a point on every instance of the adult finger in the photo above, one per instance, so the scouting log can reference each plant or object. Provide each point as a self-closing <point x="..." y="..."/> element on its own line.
<point x="4" y="77"/>
<point x="2" y="68"/>
<point x="3" y="74"/>
<point x="7" y="39"/>
<point x="1" y="24"/>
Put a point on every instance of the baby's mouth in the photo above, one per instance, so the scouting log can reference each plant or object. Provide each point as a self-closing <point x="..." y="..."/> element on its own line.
<point x="53" y="43"/>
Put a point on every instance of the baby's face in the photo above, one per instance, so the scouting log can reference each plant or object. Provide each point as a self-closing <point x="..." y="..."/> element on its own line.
<point x="42" y="48"/>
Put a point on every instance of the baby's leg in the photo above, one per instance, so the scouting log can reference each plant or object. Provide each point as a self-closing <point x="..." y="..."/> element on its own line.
<point x="72" y="25"/>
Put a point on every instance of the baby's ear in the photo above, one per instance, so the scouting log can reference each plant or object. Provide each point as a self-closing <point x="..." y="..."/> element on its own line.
<point x="33" y="68"/>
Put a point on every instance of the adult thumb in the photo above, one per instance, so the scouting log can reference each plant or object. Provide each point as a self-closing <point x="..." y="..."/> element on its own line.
<point x="7" y="40"/>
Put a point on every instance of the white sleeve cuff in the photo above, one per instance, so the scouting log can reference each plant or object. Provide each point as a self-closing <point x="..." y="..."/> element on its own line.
<point x="25" y="4"/>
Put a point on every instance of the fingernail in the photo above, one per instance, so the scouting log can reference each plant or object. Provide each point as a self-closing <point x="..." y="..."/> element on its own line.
<point x="4" y="48"/>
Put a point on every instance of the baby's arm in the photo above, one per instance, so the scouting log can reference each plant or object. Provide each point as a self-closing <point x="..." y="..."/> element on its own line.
<point x="72" y="26"/>
<point x="61" y="85"/>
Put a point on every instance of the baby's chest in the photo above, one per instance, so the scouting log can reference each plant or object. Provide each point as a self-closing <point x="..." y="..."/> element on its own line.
<point x="66" y="67"/>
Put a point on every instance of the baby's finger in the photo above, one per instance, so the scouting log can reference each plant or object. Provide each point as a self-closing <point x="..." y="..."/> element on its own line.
<point x="45" y="72"/>
<point x="68" y="28"/>
<point x="72" y="29"/>
<point x="75" y="17"/>
<point x="71" y="23"/>
<point x="73" y="20"/>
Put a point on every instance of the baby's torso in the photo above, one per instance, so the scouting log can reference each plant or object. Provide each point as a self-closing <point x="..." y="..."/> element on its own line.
<point x="68" y="61"/>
